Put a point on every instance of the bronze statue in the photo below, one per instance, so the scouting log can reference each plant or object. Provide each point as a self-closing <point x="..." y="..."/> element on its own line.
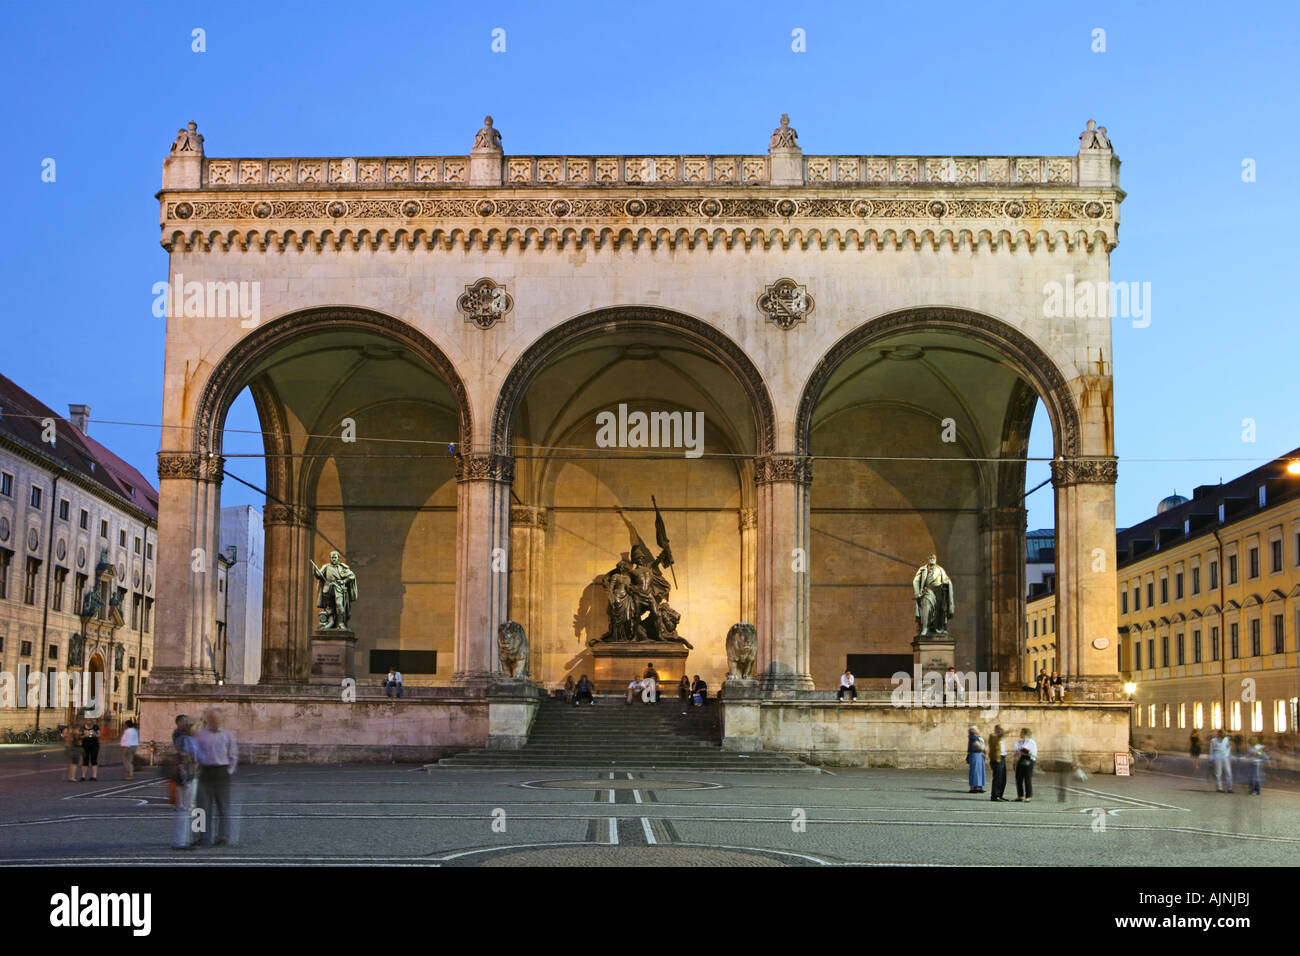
<point x="638" y="595"/>
<point x="338" y="589"/>
<point x="932" y="589"/>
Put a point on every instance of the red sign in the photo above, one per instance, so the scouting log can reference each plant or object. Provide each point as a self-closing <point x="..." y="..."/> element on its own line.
<point x="1121" y="765"/>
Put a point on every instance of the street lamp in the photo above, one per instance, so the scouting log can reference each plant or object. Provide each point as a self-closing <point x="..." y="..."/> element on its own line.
<point x="1294" y="466"/>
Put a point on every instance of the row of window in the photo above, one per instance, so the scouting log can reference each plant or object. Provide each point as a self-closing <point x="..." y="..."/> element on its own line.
<point x="1035" y="622"/>
<point x="1252" y="572"/>
<point x="1234" y="649"/>
<point x="52" y="653"/>
<point x="1163" y="716"/>
<point x="38" y="494"/>
<point x="139" y="603"/>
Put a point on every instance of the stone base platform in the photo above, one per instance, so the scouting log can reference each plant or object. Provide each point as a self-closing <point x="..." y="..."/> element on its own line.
<point x="875" y="733"/>
<point x="616" y="663"/>
<point x="296" y="723"/>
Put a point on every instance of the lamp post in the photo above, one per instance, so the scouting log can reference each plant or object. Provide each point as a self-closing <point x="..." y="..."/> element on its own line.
<point x="1130" y="688"/>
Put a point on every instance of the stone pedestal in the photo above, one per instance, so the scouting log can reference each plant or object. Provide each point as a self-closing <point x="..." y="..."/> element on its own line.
<point x="617" y="663"/>
<point x="933" y="652"/>
<point x="512" y="708"/>
<point x="740" y="702"/>
<point x="332" y="656"/>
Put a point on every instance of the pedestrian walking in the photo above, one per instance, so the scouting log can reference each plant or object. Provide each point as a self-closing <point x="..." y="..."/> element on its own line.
<point x="1256" y="756"/>
<point x="183" y="784"/>
<point x="1026" y="751"/>
<point x="218" y="756"/>
<point x="72" y="751"/>
<point x="1221" y="761"/>
<point x="975" y="749"/>
<point x="129" y="742"/>
<point x="90" y="751"/>
<point x="1194" y="748"/>
<point x="997" y="758"/>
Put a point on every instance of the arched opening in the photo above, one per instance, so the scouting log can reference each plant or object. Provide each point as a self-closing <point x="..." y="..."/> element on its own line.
<point x="920" y="426"/>
<point x="607" y="412"/>
<point x="355" y="413"/>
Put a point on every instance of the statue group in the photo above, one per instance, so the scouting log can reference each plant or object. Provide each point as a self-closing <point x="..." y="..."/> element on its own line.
<point x="637" y="592"/>
<point x="338" y="589"/>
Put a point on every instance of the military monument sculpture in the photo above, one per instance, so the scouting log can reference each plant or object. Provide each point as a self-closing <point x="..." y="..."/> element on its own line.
<point x="332" y="643"/>
<point x="641" y="621"/>
<point x="338" y="589"/>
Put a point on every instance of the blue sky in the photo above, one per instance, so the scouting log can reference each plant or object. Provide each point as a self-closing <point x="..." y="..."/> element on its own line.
<point x="1187" y="92"/>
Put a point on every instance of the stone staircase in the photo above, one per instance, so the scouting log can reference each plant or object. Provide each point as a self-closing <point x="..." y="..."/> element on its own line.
<point x="613" y="735"/>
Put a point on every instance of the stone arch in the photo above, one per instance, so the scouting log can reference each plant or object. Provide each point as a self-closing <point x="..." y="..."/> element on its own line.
<point x="230" y="375"/>
<point x="1027" y="359"/>
<point x="713" y="341"/>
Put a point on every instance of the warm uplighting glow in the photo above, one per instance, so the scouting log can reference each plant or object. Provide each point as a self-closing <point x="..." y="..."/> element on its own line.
<point x="1294" y="467"/>
<point x="1130" y="688"/>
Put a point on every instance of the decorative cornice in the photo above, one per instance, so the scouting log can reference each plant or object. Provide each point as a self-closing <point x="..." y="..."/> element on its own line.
<point x="1085" y="471"/>
<point x="485" y="468"/>
<point x="189" y="466"/>
<point x="525" y="516"/>
<point x="748" y="519"/>
<point x="783" y="468"/>
<point x="296" y="516"/>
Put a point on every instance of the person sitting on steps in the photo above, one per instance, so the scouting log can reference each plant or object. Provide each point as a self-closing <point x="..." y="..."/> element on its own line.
<point x="583" y="692"/>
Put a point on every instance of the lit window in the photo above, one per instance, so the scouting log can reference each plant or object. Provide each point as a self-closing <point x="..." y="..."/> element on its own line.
<point x="1182" y="715"/>
<point x="1198" y="715"/>
<point x="1257" y="716"/>
<point x="1151" y="714"/>
<point x="1279" y="716"/>
<point x="1168" y="717"/>
<point x="1216" y="715"/>
<point x="1236" y="716"/>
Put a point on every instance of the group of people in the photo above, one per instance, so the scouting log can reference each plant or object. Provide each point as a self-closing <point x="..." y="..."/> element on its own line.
<point x="646" y="686"/>
<point x="982" y="755"/>
<point x="1050" y="687"/>
<point x="1222" y="751"/>
<point x="200" y="781"/>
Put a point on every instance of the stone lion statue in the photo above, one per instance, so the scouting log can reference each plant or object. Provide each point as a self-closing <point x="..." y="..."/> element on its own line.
<point x="742" y="651"/>
<point x="512" y="643"/>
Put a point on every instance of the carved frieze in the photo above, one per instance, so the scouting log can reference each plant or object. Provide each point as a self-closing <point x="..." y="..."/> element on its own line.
<point x="297" y="516"/>
<point x="1085" y="471"/>
<point x="193" y="467"/>
<point x="524" y="516"/>
<point x="485" y="468"/>
<point x="783" y="468"/>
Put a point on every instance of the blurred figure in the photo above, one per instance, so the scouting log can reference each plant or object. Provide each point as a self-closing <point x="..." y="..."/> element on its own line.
<point x="1194" y="748"/>
<point x="997" y="758"/>
<point x="975" y="749"/>
<point x="184" y="782"/>
<point x="90" y="751"/>
<point x="72" y="748"/>
<point x="568" y="689"/>
<point x="218" y="756"/>
<point x="1221" y="760"/>
<point x="129" y="742"/>
<point x="1256" y="756"/>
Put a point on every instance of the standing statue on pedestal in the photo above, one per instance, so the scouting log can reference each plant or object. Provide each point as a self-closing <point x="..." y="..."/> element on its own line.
<point x="338" y="589"/>
<point x="932" y="589"/>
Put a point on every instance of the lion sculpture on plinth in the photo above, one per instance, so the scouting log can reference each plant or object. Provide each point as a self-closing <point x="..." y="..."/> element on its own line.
<point x="512" y="643"/>
<point x="742" y="651"/>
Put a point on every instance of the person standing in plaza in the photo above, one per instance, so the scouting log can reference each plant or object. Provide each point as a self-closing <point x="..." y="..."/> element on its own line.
<point x="1256" y="756"/>
<point x="1194" y="748"/>
<point x="1026" y="751"/>
<point x="1221" y="760"/>
<point x="997" y="757"/>
<point x="90" y="751"/>
<point x="184" y="781"/>
<point x="975" y="749"/>
<point x="218" y="756"/>
<point x="72" y="748"/>
<point x="129" y="742"/>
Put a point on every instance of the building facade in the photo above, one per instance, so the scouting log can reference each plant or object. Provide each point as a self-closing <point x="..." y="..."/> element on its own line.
<point x="78" y="536"/>
<point x="454" y="359"/>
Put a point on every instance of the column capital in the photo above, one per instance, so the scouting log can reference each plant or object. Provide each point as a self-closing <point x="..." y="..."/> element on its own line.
<point x="298" y="516"/>
<point x="796" y="469"/>
<point x="485" y="468"/>
<point x="526" y="516"/>
<point x="190" y="466"/>
<point x="1099" y="470"/>
<point x="748" y="519"/>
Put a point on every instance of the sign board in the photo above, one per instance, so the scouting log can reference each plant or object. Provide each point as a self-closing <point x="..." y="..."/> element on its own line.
<point x="1121" y="765"/>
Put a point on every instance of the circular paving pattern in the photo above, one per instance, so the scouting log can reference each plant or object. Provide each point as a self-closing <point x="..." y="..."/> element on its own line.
<point x="624" y="856"/>
<point x="620" y="784"/>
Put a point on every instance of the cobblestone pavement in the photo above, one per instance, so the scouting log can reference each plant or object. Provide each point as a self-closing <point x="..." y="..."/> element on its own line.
<point x="401" y="815"/>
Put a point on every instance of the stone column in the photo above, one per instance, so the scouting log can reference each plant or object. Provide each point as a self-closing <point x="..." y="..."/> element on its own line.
<point x="527" y="547"/>
<point x="288" y="592"/>
<point x="189" y="520"/>
<point x="482" y="562"/>
<point x="1005" y="527"/>
<point x="782" y="574"/>
<point x="748" y="564"/>
<point x="1085" y="576"/>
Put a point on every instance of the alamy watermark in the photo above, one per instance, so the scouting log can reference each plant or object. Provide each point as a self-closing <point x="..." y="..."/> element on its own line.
<point x="1092" y="299"/>
<point x="624" y="429"/>
<point x="60" y="689"/>
<point x="946" y="689"/>
<point x="209" y="300"/>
